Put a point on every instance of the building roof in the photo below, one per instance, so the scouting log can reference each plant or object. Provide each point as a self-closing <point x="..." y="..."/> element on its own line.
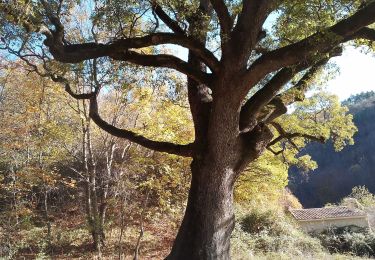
<point x="326" y="213"/>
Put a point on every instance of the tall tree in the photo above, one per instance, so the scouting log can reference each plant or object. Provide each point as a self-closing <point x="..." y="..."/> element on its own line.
<point x="240" y="78"/>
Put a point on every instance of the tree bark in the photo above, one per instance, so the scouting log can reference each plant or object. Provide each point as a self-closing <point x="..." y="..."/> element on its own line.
<point x="209" y="217"/>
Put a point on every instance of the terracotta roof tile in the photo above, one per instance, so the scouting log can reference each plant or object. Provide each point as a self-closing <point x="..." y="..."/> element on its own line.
<point x="326" y="213"/>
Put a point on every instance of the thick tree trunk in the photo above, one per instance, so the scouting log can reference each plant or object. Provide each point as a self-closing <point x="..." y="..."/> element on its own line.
<point x="209" y="218"/>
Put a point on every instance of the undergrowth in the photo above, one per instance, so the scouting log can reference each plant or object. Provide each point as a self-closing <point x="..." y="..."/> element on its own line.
<point x="269" y="233"/>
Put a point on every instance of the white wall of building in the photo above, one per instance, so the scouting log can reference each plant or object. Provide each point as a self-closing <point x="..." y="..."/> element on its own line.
<point x="320" y="225"/>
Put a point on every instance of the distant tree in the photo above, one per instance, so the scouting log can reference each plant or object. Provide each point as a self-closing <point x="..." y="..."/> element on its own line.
<point x="360" y="101"/>
<point x="363" y="196"/>
<point x="240" y="78"/>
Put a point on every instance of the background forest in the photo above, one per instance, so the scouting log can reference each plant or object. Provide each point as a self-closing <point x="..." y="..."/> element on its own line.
<point x="338" y="173"/>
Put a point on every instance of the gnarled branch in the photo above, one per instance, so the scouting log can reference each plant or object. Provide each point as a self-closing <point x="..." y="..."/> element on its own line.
<point x="249" y="111"/>
<point x="166" y="61"/>
<point x="297" y="92"/>
<point x="320" y="42"/>
<point x="172" y="24"/>
<point x="248" y="28"/>
<point x="265" y="106"/>
<point x="289" y="136"/>
<point x="75" y="53"/>
<point x="171" y="148"/>
<point x="225" y="20"/>
<point x="69" y="90"/>
<point x="278" y="105"/>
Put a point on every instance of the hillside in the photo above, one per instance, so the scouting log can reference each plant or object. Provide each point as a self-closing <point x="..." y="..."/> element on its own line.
<point x="339" y="172"/>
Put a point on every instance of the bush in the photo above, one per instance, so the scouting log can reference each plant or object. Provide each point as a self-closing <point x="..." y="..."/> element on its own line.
<point x="261" y="234"/>
<point x="363" y="196"/>
<point x="258" y="221"/>
<point x="350" y="239"/>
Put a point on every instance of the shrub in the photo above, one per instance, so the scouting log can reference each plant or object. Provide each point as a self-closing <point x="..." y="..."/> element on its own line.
<point x="363" y="196"/>
<point x="258" y="221"/>
<point x="270" y="232"/>
<point x="350" y="239"/>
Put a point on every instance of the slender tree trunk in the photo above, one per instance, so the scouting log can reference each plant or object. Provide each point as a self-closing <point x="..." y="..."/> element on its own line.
<point x="104" y="184"/>
<point x="14" y="193"/>
<point x="97" y="229"/>
<point x="87" y="182"/>
<point x="93" y="214"/>
<point x="122" y="225"/>
<point x="48" y="222"/>
<point x="141" y="228"/>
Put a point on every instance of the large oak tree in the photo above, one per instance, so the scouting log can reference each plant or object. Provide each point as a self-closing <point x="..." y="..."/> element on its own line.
<point x="241" y="76"/>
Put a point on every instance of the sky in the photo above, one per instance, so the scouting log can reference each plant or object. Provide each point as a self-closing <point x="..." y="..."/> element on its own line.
<point x="357" y="73"/>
